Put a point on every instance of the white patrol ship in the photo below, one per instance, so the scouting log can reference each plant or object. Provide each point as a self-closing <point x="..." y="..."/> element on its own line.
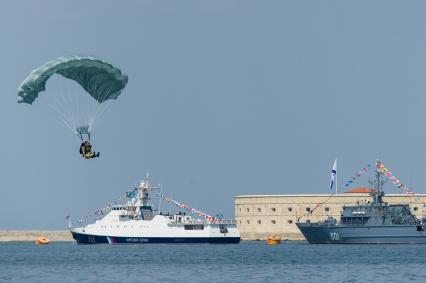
<point x="136" y="223"/>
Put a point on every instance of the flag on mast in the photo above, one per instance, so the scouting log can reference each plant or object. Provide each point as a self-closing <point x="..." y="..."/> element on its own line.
<point x="333" y="174"/>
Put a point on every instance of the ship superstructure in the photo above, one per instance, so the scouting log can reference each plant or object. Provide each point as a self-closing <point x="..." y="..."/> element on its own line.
<point x="374" y="222"/>
<point x="136" y="222"/>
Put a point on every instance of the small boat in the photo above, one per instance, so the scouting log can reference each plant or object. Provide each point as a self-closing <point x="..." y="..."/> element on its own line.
<point x="42" y="241"/>
<point x="273" y="240"/>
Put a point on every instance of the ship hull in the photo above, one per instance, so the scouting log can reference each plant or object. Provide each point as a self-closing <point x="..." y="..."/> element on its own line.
<point x="81" y="238"/>
<point x="338" y="234"/>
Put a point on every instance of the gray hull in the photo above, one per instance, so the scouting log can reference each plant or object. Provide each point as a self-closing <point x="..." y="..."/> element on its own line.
<point x="340" y="234"/>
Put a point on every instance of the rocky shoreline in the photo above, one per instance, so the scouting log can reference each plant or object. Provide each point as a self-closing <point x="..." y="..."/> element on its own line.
<point x="32" y="235"/>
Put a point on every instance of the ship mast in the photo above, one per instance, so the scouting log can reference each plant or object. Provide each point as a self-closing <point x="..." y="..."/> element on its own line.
<point x="378" y="183"/>
<point x="144" y="187"/>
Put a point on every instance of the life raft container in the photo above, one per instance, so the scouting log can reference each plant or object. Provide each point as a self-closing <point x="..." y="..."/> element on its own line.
<point x="42" y="241"/>
<point x="273" y="240"/>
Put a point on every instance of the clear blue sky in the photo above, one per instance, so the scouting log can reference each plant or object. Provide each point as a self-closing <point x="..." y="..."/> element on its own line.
<point x="224" y="98"/>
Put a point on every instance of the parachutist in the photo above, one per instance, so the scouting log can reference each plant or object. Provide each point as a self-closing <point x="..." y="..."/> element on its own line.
<point x="101" y="81"/>
<point x="86" y="150"/>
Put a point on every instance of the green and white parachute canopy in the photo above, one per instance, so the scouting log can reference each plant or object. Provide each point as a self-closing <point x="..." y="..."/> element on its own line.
<point x="101" y="81"/>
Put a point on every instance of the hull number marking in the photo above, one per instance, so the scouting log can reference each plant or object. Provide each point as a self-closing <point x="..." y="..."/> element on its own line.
<point x="334" y="236"/>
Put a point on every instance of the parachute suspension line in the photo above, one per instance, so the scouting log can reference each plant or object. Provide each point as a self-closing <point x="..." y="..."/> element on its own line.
<point x="77" y="111"/>
<point x="62" y="119"/>
<point x="94" y="106"/>
<point x="63" y="115"/>
<point x="98" y="114"/>
<point x="75" y="98"/>
<point x="103" y="109"/>
<point x="61" y="103"/>
<point x="100" y="109"/>
<point x="68" y="106"/>
<point x="89" y="107"/>
<point x="79" y="101"/>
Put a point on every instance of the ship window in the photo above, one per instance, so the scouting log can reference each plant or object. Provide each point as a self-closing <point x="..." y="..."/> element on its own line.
<point x="273" y="209"/>
<point x="273" y="221"/>
<point x="290" y="209"/>
<point x="308" y="209"/>
<point x="327" y="209"/>
<point x="289" y="221"/>
<point x="415" y="208"/>
<point x="194" y="227"/>
<point x="259" y="222"/>
<point x="354" y="220"/>
<point x="258" y="209"/>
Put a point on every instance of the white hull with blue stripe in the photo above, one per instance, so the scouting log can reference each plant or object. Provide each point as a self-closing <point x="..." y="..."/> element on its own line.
<point x="161" y="229"/>
<point x="136" y="223"/>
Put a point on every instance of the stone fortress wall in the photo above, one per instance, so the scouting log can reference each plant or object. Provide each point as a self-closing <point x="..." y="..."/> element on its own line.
<point x="259" y="216"/>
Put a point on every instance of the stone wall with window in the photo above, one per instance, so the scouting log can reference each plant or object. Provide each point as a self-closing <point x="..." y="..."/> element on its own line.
<point x="259" y="216"/>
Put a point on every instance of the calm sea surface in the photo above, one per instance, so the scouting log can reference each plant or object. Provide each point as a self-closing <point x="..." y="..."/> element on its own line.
<point x="246" y="262"/>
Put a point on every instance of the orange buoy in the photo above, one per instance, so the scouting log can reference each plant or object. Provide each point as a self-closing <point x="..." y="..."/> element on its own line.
<point x="273" y="240"/>
<point x="42" y="241"/>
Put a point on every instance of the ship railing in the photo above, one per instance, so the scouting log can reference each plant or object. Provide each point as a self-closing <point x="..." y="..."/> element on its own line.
<point x="203" y="222"/>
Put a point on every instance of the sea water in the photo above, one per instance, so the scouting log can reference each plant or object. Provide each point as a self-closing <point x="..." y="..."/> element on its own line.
<point x="245" y="262"/>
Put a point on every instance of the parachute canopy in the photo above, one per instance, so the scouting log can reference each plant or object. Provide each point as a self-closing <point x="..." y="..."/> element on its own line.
<point x="99" y="78"/>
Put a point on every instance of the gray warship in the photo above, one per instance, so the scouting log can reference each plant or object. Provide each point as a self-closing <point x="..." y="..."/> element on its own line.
<point x="376" y="222"/>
